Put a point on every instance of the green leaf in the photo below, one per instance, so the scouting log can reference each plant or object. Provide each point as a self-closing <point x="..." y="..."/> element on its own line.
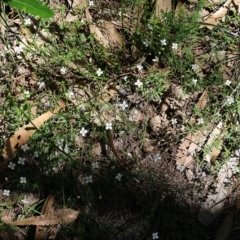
<point x="33" y="7"/>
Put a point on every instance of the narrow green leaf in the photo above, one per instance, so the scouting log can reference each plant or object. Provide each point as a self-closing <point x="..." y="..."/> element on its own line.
<point x="33" y="7"/>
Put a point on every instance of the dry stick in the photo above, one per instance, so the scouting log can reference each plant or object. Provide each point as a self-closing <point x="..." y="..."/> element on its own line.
<point x="110" y="134"/>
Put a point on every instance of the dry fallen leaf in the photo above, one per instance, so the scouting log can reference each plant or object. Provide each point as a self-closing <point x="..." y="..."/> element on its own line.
<point x="202" y="100"/>
<point x="214" y="18"/>
<point x="47" y="206"/>
<point x="162" y="5"/>
<point x="23" y="134"/>
<point x="215" y="146"/>
<point x="215" y="200"/>
<point x="96" y="31"/>
<point x="61" y="216"/>
<point x="225" y="228"/>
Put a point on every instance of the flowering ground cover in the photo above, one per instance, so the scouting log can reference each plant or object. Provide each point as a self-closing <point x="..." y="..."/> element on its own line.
<point x="120" y="120"/>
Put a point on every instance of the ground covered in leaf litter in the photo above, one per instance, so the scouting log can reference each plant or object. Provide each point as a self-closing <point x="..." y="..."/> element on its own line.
<point x="127" y="186"/>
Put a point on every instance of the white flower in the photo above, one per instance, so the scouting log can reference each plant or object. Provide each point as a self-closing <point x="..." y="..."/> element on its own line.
<point x="21" y="160"/>
<point x="195" y="67"/>
<point x="125" y="77"/>
<point x="149" y="26"/>
<point x="41" y="85"/>
<point x="155" y="235"/>
<point x="108" y="125"/>
<point x="180" y="167"/>
<point x="146" y="42"/>
<point x="99" y="72"/>
<point x="192" y="152"/>
<point x="174" y="121"/>
<point x="123" y="105"/>
<point x="163" y="42"/>
<point x="156" y="59"/>
<point x="91" y="3"/>
<point x="70" y="94"/>
<point x="200" y="121"/>
<point x="25" y="147"/>
<point x="6" y="192"/>
<point x="119" y="176"/>
<point x="228" y="82"/>
<point x="23" y="180"/>
<point x="83" y="132"/>
<point x="139" y="67"/>
<point x="88" y="179"/>
<point x="95" y="165"/>
<point x="26" y="94"/>
<point x="36" y="154"/>
<point x="230" y="100"/>
<point x="138" y="83"/>
<point x="63" y="70"/>
<point x="27" y="21"/>
<point x="18" y="49"/>
<point x="82" y="21"/>
<point x="157" y="157"/>
<point x="25" y="201"/>
<point x="194" y="81"/>
<point x="62" y="146"/>
<point x="174" y="46"/>
<point x="183" y="128"/>
<point x="12" y="165"/>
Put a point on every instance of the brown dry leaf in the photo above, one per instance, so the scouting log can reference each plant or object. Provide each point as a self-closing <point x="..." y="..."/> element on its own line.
<point x="225" y="228"/>
<point x="215" y="200"/>
<point x="162" y="5"/>
<point x="71" y="18"/>
<point x="155" y="123"/>
<point x="23" y="134"/>
<point x="202" y="100"/>
<point x="47" y="207"/>
<point x="79" y="4"/>
<point x="214" y="149"/>
<point x="96" y="31"/>
<point x="111" y="34"/>
<point x="148" y="145"/>
<point x="237" y="3"/>
<point x="217" y="16"/>
<point x="61" y="216"/>
<point x="188" y="148"/>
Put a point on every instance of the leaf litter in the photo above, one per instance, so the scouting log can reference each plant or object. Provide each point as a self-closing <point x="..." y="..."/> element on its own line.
<point x="173" y="101"/>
